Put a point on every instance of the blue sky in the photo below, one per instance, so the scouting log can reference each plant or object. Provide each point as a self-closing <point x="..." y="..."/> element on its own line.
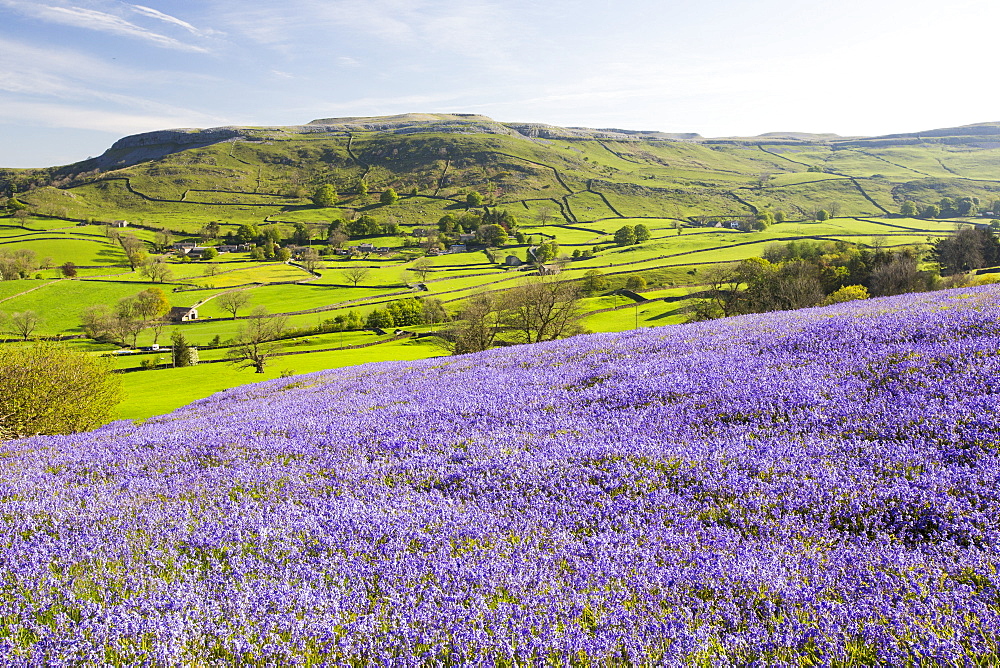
<point x="78" y="74"/>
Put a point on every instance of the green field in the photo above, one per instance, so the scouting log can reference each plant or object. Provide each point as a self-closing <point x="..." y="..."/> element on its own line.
<point x="573" y="188"/>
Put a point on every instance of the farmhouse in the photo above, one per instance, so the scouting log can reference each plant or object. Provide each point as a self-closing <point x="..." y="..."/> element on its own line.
<point x="458" y="248"/>
<point x="182" y="314"/>
<point x="119" y="223"/>
<point x="549" y="270"/>
<point x="513" y="261"/>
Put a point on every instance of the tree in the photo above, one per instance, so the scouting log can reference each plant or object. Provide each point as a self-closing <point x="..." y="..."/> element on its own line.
<point x="473" y="200"/>
<point x="156" y="269"/>
<point x="931" y="211"/>
<point x="908" y="209"/>
<point x="363" y="226"/>
<point x="388" y="197"/>
<point x="492" y="235"/>
<point x="475" y="327"/>
<point x="68" y="270"/>
<point x="542" y="310"/>
<point x="246" y="234"/>
<point x="282" y="255"/>
<point x="846" y="294"/>
<point x="209" y="254"/>
<point x="642" y="233"/>
<point x="379" y="319"/>
<point x="24" y="324"/>
<point x="421" y="267"/>
<point x="300" y="234"/>
<point x="594" y="282"/>
<point x="47" y="389"/>
<point x="545" y="214"/>
<point x="822" y="214"/>
<point x="355" y="274"/>
<point x="546" y="251"/>
<point x="135" y="250"/>
<point x="967" y="249"/>
<point x="324" y="196"/>
<point x="233" y="301"/>
<point x="310" y="260"/>
<point x="164" y="238"/>
<point x="433" y="311"/>
<point x="152" y="306"/>
<point x="635" y="283"/>
<point x="253" y="342"/>
<point x="625" y="235"/>
<point x="180" y="350"/>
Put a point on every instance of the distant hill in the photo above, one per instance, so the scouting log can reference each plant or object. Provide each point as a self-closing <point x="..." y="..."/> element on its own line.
<point x="586" y="174"/>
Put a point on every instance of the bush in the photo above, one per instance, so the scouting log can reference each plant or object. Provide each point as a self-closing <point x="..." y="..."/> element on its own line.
<point x="47" y="389"/>
<point x="847" y="293"/>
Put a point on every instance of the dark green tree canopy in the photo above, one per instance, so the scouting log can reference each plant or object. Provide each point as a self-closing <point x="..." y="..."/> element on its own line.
<point x="325" y="196"/>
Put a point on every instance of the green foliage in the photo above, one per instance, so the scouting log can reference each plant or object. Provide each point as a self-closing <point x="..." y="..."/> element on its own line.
<point x="380" y="319"/>
<point x="625" y="235"/>
<point x="180" y="350"/>
<point x="908" y="209"/>
<point x="48" y="389"/>
<point x="641" y="233"/>
<point x="822" y="214"/>
<point x="473" y="199"/>
<point x="325" y="196"/>
<point x="406" y="312"/>
<point x="594" y="282"/>
<point x="388" y="197"/>
<point x="846" y="294"/>
<point x="635" y="283"/>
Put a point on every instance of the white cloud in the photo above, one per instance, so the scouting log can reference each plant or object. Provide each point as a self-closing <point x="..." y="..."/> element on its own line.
<point x="347" y="61"/>
<point x="92" y="19"/>
<point x="480" y="30"/>
<point x="156" y="14"/>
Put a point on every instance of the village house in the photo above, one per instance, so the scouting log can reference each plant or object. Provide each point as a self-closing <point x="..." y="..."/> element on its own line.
<point x="512" y="261"/>
<point x="119" y="223"/>
<point x="549" y="270"/>
<point x="182" y="314"/>
<point x="458" y="248"/>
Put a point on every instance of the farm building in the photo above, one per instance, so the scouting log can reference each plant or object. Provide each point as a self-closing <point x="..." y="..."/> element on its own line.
<point x="182" y="314"/>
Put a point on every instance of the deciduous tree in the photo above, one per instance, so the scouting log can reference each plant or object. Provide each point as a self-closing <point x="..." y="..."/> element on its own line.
<point x="254" y="345"/>
<point x="233" y="301"/>
<point x="47" y="389"/>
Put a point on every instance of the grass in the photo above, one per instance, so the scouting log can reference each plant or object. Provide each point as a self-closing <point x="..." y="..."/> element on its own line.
<point x="150" y="393"/>
<point x="606" y="183"/>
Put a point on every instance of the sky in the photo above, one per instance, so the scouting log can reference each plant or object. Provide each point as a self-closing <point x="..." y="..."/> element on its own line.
<point x="76" y="75"/>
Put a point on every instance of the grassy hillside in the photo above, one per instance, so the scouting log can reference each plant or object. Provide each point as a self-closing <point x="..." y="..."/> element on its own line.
<point x="803" y="488"/>
<point x="576" y="187"/>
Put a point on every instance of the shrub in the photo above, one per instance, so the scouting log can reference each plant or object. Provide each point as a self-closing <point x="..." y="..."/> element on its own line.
<point x="47" y="389"/>
<point x="846" y="294"/>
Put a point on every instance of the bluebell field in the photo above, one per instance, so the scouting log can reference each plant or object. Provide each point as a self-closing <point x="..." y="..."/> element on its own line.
<point x="809" y="488"/>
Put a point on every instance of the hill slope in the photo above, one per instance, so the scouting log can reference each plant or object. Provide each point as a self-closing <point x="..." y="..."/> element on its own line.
<point x="818" y="485"/>
<point x="234" y="174"/>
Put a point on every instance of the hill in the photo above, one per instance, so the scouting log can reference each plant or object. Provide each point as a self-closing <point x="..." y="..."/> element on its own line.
<point x="399" y="225"/>
<point x="815" y="488"/>
<point x="174" y="177"/>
